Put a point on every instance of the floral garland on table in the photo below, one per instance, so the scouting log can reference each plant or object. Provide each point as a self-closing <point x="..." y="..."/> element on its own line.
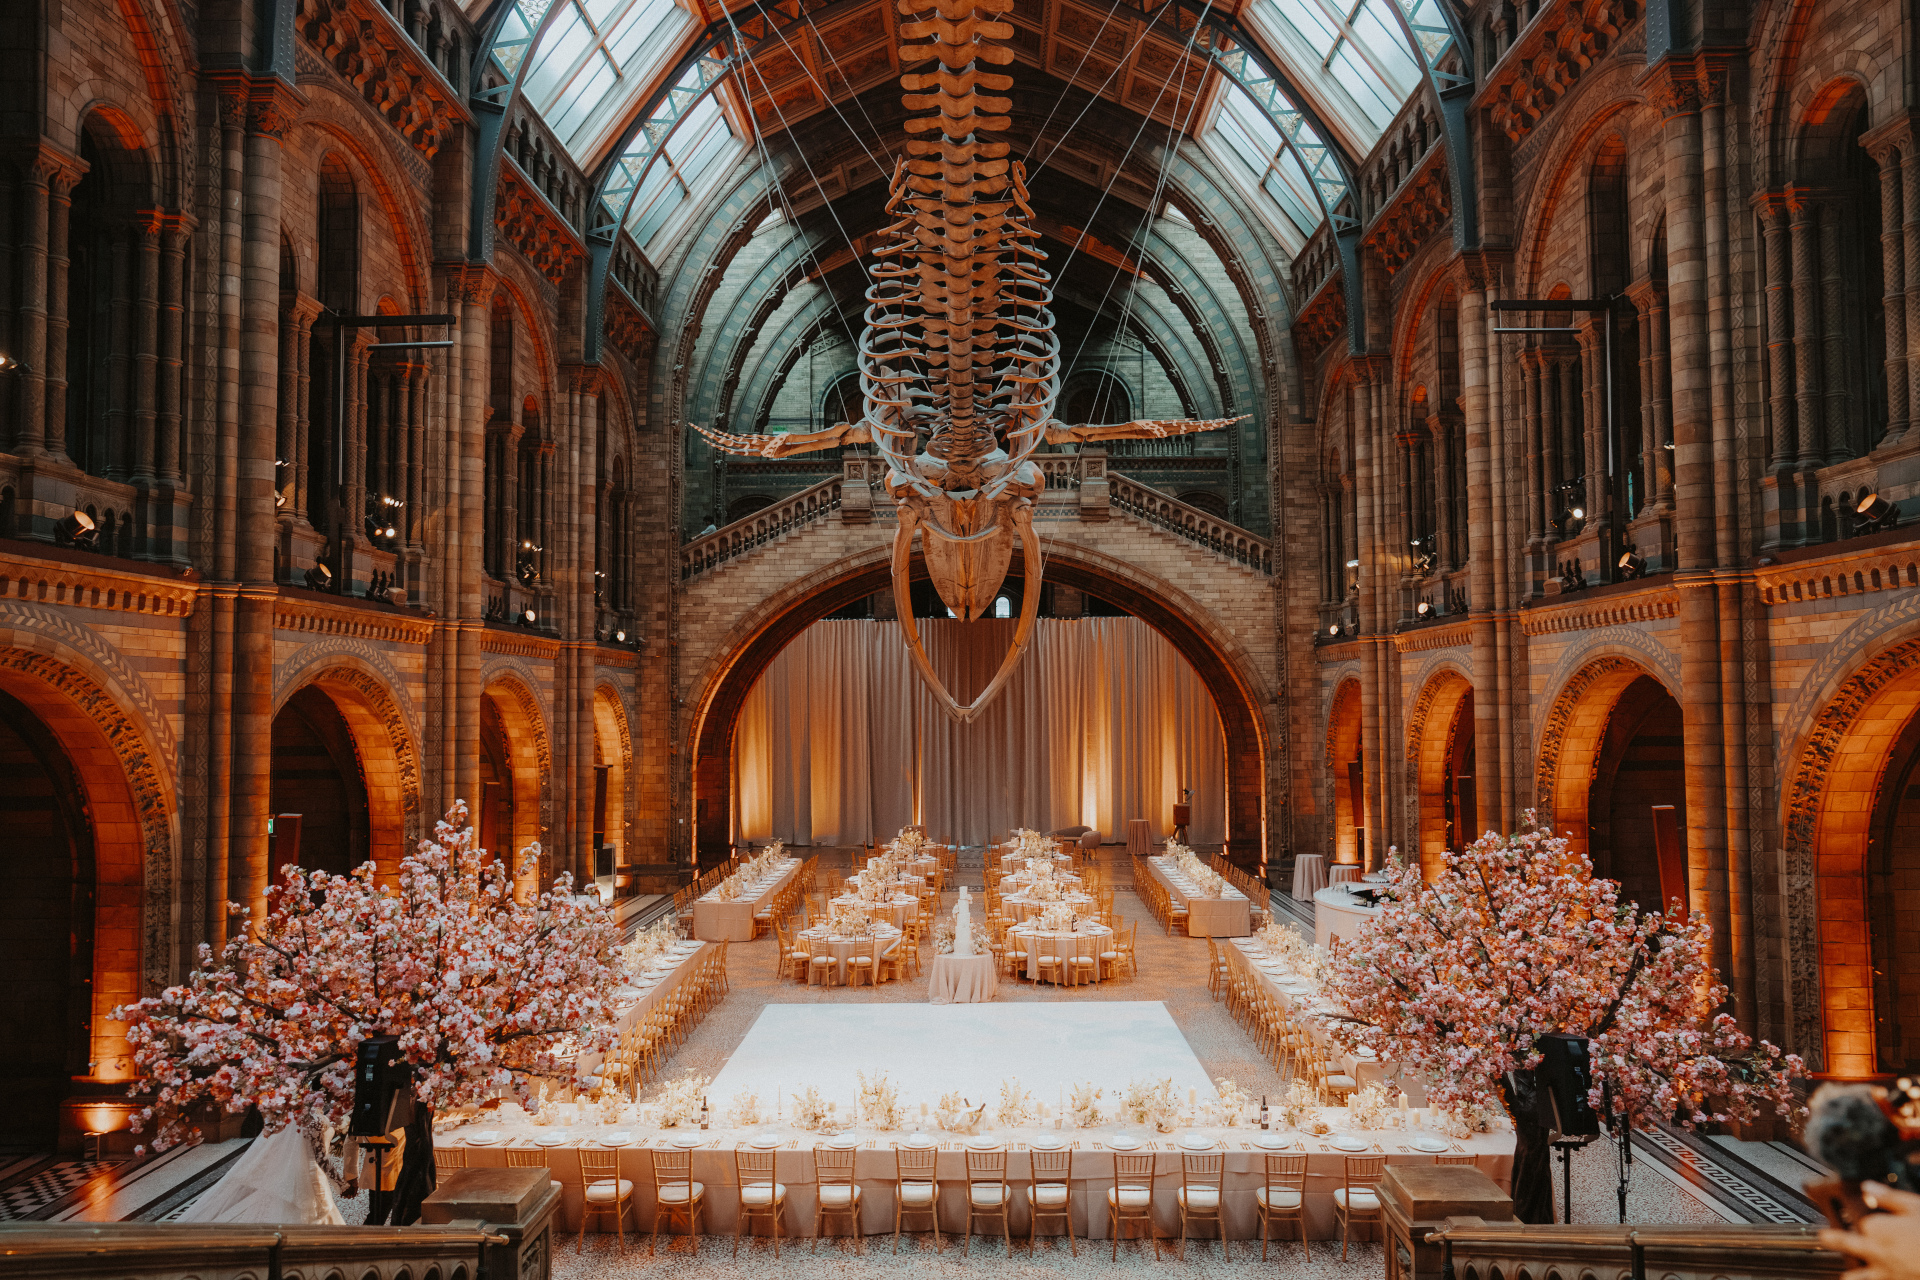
<point x="879" y="1101"/>
<point x="745" y="1110"/>
<point x="1203" y="877"/>
<point x="1465" y="1121"/>
<point x="1016" y="1108"/>
<point x="1084" y="1105"/>
<point x="1152" y="1103"/>
<point x="679" y="1100"/>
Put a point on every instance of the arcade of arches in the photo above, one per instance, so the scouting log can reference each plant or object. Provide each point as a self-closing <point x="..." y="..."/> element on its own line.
<point x="344" y="469"/>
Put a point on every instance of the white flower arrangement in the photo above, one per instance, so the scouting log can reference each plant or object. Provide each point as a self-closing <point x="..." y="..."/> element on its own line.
<point x="1465" y="1120"/>
<point x="745" y="1111"/>
<point x="1016" y="1108"/>
<point x="957" y="1115"/>
<point x="810" y="1110"/>
<point x="943" y="933"/>
<point x="848" y="922"/>
<point x="1059" y="915"/>
<point x="679" y="1100"/>
<point x="879" y="1102"/>
<point x="612" y="1104"/>
<point x="1153" y="1103"/>
<point x="1084" y="1104"/>
<point x="1233" y="1102"/>
<point x="1368" y="1109"/>
<point x="647" y="949"/>
<point x="1300" y="1108"/>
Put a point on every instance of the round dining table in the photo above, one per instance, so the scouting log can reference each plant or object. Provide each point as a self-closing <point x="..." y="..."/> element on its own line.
<point x="885" y="939"/>
<point x="896" y="911"/>
<point x="1021" y="880"/>
<point x="1031" y="936"/>
<point x="1012" y="862"/>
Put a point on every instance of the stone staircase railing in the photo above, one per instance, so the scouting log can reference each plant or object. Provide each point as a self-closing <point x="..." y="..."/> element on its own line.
<point x="1075" y="483"/>
<point x="1191" y="523"/>
<point x="711" y="550"/>
<point x="166" y="1250"/>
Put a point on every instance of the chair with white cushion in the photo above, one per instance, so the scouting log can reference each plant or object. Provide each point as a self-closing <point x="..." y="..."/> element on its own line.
<point x="603" y="1190"/>
<point x="837" y="1193"/>
<point x="760" y="1195"/>
<point x="1359" y="1199"/>
<point x="1283" y="1198"/>
<point x="1201" y="1179"/>
<point x="916" y="1188"/>
<point x="675" y="1193"/>
<point x="987" y="1194"/>
<point x="1051" y="1196"/>
<point x="1130" y="1199"/>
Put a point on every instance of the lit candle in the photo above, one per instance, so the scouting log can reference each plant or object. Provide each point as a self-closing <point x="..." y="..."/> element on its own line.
<point x="1193" y="1095"/>
<point x="923" y="1111"/>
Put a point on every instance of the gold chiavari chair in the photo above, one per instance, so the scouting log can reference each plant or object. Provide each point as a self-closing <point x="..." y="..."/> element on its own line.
<point x="445" y="1158"/>
<point x="1130" y="1199"/>
<point x="675" y="1193"/>
<point x="761" y="1196"/>
<point x="1084" y="964"/>
<point x="837" y="1193"/>
<point x="916" y="1188"/>
<point x="1202" y="1178"/>
<point x="1359" y="1199"/>
<point x="862" y="962"/>
<point x="1462" y="1160"/>
<point x="988" y="1195"/>
<point x="1283" y="1198"/>
<point x="1051" y="1196"/>
<point x="1052" y="965"/>
<point x="820" y="960"/>
<point x="603" y="1189"/>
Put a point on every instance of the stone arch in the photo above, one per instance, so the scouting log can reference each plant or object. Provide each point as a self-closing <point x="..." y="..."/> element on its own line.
<point x="530" y="764"/>
<point x="1571" y="740"/>
<point x="1344" y="807"/>
<point x="613" y="750"/>
<point x="129" y="810"/>
<point x="1441" y="713"/>
<point x="387" y="748"/>
<point x="1838" y="773"/>
<point x="1239" y="694"/>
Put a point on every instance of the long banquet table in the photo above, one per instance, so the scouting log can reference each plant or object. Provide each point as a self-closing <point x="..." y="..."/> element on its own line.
<point x="1092" y="1172"/>
<point x="1227" y="916"/>
<point x="718" y="921"/>
<point x="1365" y="1071"/>
<point x="679" y="964"/>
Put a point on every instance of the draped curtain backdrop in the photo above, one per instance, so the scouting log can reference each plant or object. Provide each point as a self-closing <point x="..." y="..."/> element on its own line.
<point x="840" y="742"/>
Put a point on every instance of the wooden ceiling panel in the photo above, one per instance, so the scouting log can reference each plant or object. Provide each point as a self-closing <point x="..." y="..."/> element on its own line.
<point x="1092" y="30"/>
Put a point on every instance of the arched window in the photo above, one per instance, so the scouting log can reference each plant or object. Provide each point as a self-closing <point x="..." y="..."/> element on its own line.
<point x="1609" y="220"/>
<point x="1095" y="396"/>
<point x="843" y="402"/>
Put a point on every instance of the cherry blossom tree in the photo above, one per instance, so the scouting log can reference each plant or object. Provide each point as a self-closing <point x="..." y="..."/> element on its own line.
<point x="486" y="994"/>
<point x="1517" y="938"/>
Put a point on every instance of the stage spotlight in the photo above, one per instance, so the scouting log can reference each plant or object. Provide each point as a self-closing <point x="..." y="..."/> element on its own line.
<point x="77" y="529"/>
<point x="619" y="637"/>
<point x="1632" y="566"/>
<point x="7" y="362"/>
<point x="1334" y="630"/>
<point x="1423" y="610"/>
<point x="1875" y="513"/>
<point x="320" y="578"/>
<point x="528" y="617"/>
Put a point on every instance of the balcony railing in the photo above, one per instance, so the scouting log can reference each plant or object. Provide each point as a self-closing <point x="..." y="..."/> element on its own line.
<point x="162" y="1251"/>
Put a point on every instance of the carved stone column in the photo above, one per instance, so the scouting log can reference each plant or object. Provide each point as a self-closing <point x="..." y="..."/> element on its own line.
<point x="1804" y="227"/>
<point x="1892" y="156"/>
<point x="1777" y="265"/>
<point x="1841" y="428"/>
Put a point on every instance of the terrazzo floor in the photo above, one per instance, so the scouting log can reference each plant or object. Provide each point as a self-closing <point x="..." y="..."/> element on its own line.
<point x="1172" y="970"/>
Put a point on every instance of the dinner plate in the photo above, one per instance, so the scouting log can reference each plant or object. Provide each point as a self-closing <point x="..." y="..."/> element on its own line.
<point x="1197" y="1142"/>
<point x="619" y="1138"/>
<point x="1433" y="1146"/>
<point x="1124" y="1142"/>
<point x="1365" y="1054"/>
<point x="1348" y="1142"/>
<point x="843" y="1141"/>
<point x="919" y="1140"/>
<point x="983" y="1142"/>
<point x="1046" y="1142"/>
<point x="1272" y="1141"/>
<point x="553" y="1138"/>
<point x="484" y="1138"/>
<point x="687" y="1141"/>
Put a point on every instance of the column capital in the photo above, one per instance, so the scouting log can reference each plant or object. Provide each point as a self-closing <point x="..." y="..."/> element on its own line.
<point x="468" y="283"/>
<point x="262" y="105"/>
<point x="1890" y="137"/>
<point x="1478" y="270"/>
<point x="43" y="161"/>
<point x="1682" y="84"/>
<point x="585" y="379"/>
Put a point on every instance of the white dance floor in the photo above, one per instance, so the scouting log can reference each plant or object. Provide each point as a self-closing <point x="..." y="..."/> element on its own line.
<point x="929" y="1050"/>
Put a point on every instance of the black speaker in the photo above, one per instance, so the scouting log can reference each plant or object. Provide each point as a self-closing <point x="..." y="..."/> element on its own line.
<point x="603" y="861"/>
<point x="1564" y="1076"/>
<point x="382" y="1088"/>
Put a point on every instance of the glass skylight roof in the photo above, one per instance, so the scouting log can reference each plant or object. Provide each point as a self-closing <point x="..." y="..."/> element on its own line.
<point x="597" y="58"/>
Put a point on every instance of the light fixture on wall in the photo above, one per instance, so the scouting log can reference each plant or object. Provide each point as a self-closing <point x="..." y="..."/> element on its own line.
<point x="7" y="362"/>
<point x="528" y="616"/>
<point x="1335" y="630"/>
<point x="1632" y="565"/>
<point x="77" y="529"/>
<point x="1874" y="513"/>
<point x="620" y="637"/>
<point x="319" y="578"/>
<point x="1424" y="611"/>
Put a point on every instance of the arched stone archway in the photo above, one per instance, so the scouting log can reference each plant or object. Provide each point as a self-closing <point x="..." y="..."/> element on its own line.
<point x="1440" y="766"/>
<point x="389" y="759"/>
<point x="613" y="760"/>
<point x="527" y="761"/>
<point x="1238" y="693"/>
<point x="1346" y="772"/>
<point x="1836" y="801"/>
<point x="118" y="816"/>
<point x="1573" y="738"/>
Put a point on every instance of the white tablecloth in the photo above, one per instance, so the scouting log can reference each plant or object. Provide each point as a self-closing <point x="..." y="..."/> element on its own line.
<point x="962" y="979"/>
<point x="1012" y="862"/>
<point x="896" y="912"/>
<point x="1223" y="917"/>
<point x="1343" y="873"/>
<point x="717" y="921"/>
<point x="1030" y="937"/>
<point x="1337" y="914"/>
<point x="1309" y="875"/>
<point x="1020" y="907"/>
<point x="667" y="976"/>
<point x="874" y="1170"/>
<point x="885" y="937"/>
<point x="1020" y="880"/>
<point x="1365" y="1071"/>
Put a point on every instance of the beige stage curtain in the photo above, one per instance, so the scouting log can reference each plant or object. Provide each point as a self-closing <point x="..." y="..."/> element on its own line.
<point x="840" y="743"/>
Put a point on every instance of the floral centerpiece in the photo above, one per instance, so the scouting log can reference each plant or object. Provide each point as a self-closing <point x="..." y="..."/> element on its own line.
<point x="1016" y="1108"/>
<point x="879" y="1102"/>
<point x="1300" y="1108"/>
<point x="1204" y="879"/>
<point x="943" y="932"/>
<point x="1084" y="1105"/>
<point x="810" y="1110"/>
<point x="1059" y="917"/>
<point x="848" y="922"/>
<point x="648" y="948"/>
<point x="1233" y="1102"/>
<point x="1517" y="939"/>
<point x="1152" y="1103"/>
<point x="679" y="1100"/>
<point x="1047" y="890"/>
<point x="745" y="1110"/>
<point x="957" y="1115"/>
<point x="1367" y="1109"/>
